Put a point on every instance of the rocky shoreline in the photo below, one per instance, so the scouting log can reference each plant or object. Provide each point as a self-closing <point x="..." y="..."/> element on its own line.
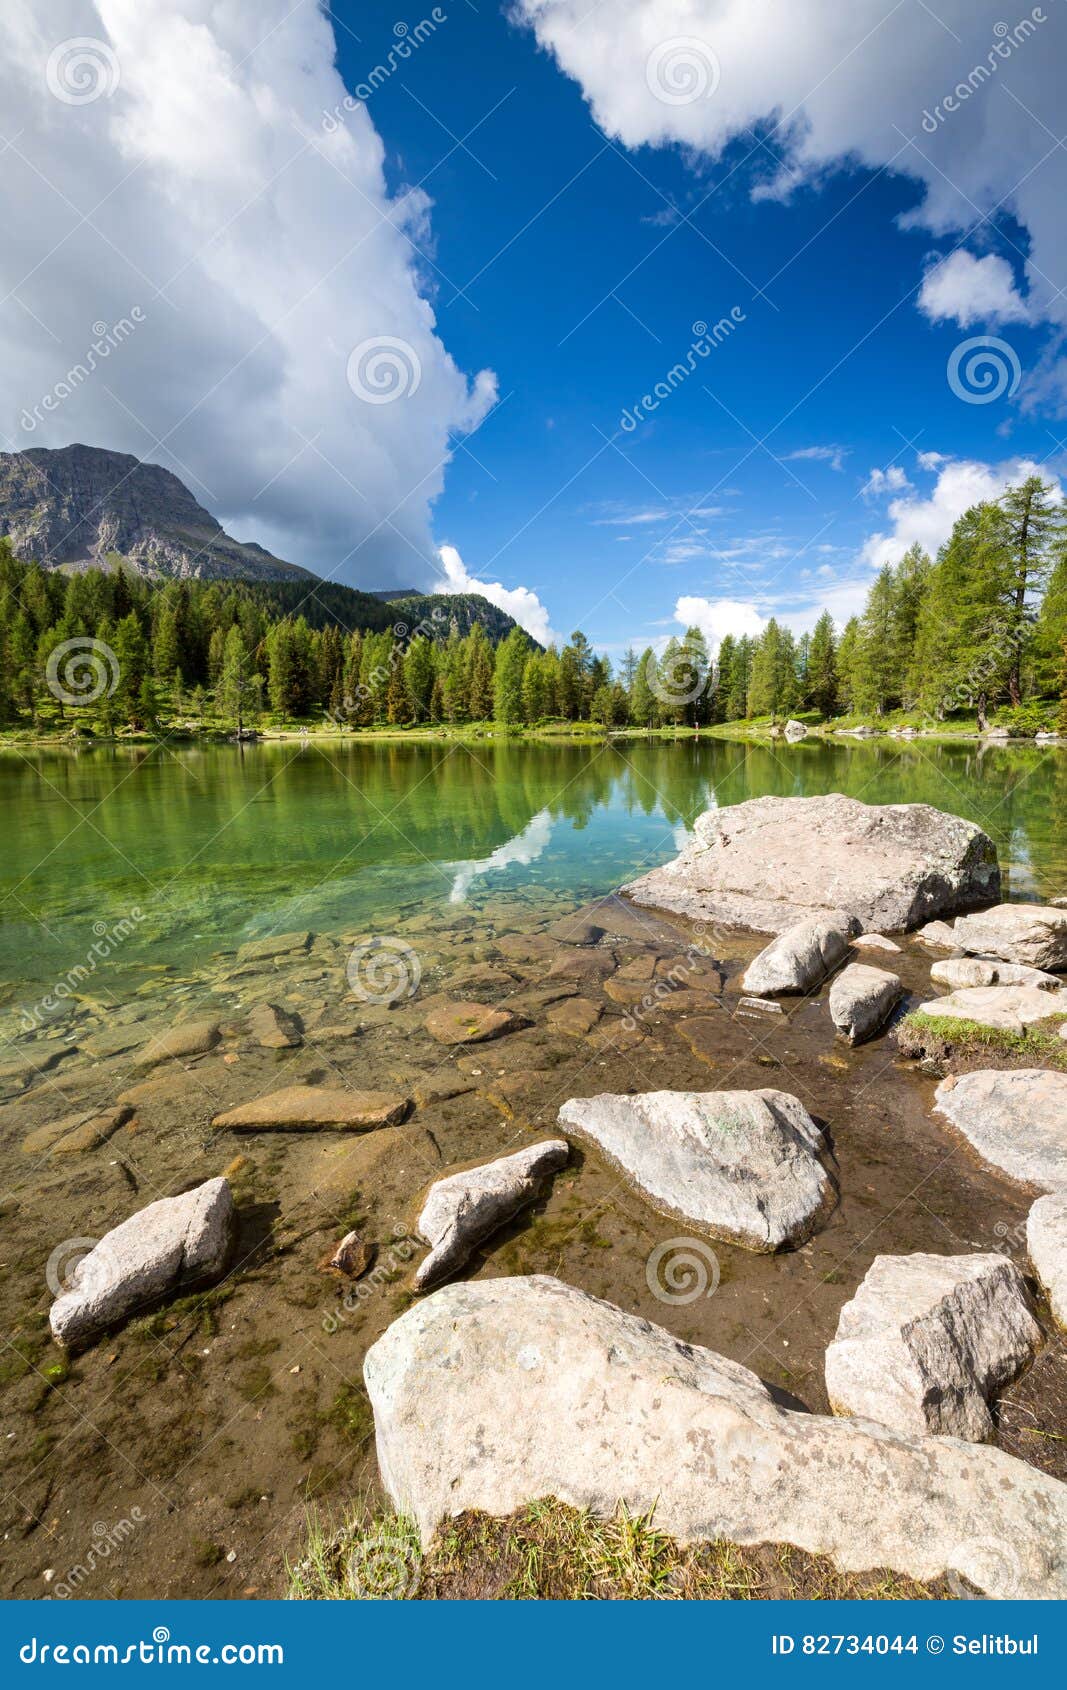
<point x="542" y="1097"/>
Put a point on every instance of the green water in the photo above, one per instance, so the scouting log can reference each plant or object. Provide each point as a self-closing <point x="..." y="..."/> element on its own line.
<point x="217" y="845"/>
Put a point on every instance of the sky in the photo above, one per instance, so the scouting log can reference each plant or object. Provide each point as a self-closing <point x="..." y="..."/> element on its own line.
<point x="630" y="313"/>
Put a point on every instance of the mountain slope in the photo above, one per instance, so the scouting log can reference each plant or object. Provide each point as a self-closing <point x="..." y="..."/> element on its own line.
<point x="76" y="506"/>
<point x="432" y="614"/>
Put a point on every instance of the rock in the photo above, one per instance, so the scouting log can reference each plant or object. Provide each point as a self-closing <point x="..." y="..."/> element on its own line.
<point x="441" y="1089"/>
<point x="861" y="999"/>
<point x="575" y="930"/>
<point x="743" y="1166"/>
<point x="492" y="1394"/>
<point x="771" y="862"/>
<point x="874" y="942"/>
<point x="754" y="1008"/>
<point x="795" y="730"/>
<point x="928" y="1341"/>
<point x="274" y="945"/>
<point x="174" y="1243"/>
<point x="466" y="1023"/>
<point x="191" y="1038"/>
<point x="75" y="1133"/>
<point x="352" y="1257"/>
<point x="1046" y="1243"/>
<point x="1035" y="934"/>
<point x="1016" y="1119"/>
<point x="703" y="1035"/>
<point x="938" y="934"/>
<point x="576" y="1016"/>
<point x="1011" y="1008"/>
<point x="801" y="957"/>
<point x="467" y="1207"/>
<point x="300" y="1108"/>
<point x="274" y="1028"/>
<point x="965" y="971"/>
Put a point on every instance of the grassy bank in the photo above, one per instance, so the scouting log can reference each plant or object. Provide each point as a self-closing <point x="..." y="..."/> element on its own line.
<point x="958" y="1045"/>
<point x="551" y="1552"/>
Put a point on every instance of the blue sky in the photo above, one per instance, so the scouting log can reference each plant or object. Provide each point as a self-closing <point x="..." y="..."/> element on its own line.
<point x="400" y="283"/>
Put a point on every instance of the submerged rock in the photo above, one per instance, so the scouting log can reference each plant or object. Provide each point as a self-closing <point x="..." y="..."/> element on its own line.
<point x="274" y="1028"/>
<point x="1016" y="1118"/>
<point x="471" y="1023"/>
<point x="801" y="957"/>
<point x="1035" y="934"/>
<point x="928" y="1341"/>
<point x="275" y="945"/>
<point x="861" y="999"/>
<point x="771" y="862"/>
<point x="174" y="1243"/>
<point x="190" y="1038"/>
<point x="467" y="1207"/>
<point x="491" y="1394"/>
<point x="744" y="1166"/>
<point x="1046" y="1243"/>
<point x="297" y="1108"/>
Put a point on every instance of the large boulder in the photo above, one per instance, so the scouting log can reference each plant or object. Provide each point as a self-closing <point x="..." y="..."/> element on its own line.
<point x="771" y="862"/>
<point x="743" y="1166"/>
<point x="1016" y="1118"/>
<point x="491" y="1394"/>
<point x="861" y="1000"/>
<point x="801" y="957"/>
<point x="928" y="1341"/>
<point x="1010" y="1008"/>
<point x="960" y="972"/>
<point x="174" y="1243"/>
<point x="1046" y="1243"/>
<point x="1035" y="934"/>
<point x="463" y="1209"/>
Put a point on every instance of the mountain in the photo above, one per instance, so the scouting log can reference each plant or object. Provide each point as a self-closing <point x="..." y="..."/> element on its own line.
<point x="79" y="506"/>
<point x="432" y="614"/>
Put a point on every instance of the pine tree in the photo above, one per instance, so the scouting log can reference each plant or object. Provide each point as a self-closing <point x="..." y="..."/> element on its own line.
<point x="507" y="680"/>
<point x="232" y="694"/>
<point x="1034" y="522"/>
<point x="642" y="694"/>
<point x="822" y="668"/>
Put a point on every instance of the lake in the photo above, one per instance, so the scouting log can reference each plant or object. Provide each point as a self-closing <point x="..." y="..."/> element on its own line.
<point x="212" y="846"/>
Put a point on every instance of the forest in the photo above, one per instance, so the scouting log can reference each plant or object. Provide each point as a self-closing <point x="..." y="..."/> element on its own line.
<point x="977" y="632"/>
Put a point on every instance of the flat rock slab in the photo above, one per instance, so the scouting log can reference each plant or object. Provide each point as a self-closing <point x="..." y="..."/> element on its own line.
<point x="176" y="1242"/>
<point x="75" y="1133"/>
<point x="862" y="999"/>
<point x="1011" y="1008"/>
<point x="275" y="945"/>
<point x="1015" y="1118"/>
<point x="468" y="1023"/>
<point x="300" y="1108"/>
<point x="771" y="862"/>
<point x="491" y="1394"/>
<point x="703" y="1035"/>
<point x="928" y="1341"/>
<point x="1035" y="934"/>
<point x="191" y="1038"/>
<point x="801" y="957"/>
<point x="576" y="1016"/>
<point x="465" y="1208"/>
<point x="575" y="930"/>
<point x="743" y="1166"/>
<point x="875" y="942"/>
<point x="274" y="1028"/>
<point x="960" y="972"/>
<point x="939" y="935"/>
<point x="1046" y="1243"/>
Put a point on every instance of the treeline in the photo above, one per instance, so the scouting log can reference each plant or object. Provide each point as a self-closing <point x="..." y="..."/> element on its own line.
<point x="981" y="627"/>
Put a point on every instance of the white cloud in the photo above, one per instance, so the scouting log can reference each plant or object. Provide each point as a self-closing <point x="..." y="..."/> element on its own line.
<point x="833" y="455"/>
<point x="968" y="290"/>
<point x="520" y="602"/>
<point x="630" y="519"/>
<point x="927" y="519"/>
<point x="882" y="481"/>
<point x="863" y="83"/>
<point x="261" y="245"/>
<point x="718" y="617"/>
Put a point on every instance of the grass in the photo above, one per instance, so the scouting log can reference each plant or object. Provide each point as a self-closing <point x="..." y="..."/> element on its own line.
<point x="948" y="1038"/>
<point x="549" y="1551"/>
